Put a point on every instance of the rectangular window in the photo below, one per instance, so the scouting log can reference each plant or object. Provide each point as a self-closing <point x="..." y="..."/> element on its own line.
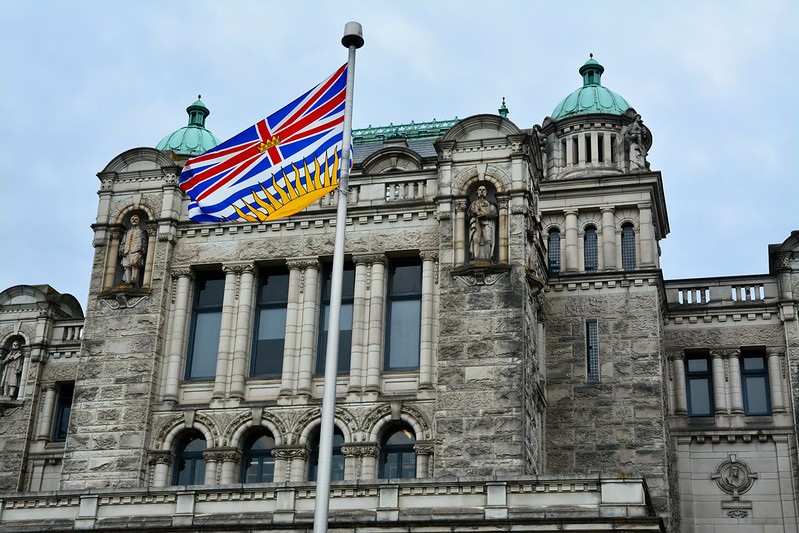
<point x="270" y="324"/>
<point x="404" y="315"/>
<point x="592" y="351"/>
<point x="699" y="386"/>
<point x="591" y="250"/>
<point x="206" y="319"/>
<point x="345" y="331"/>
<point x="553" y="252"/>
<point x="63" y="411"/>
<point x="628" y="247"/>
<point x="754" y="378"/>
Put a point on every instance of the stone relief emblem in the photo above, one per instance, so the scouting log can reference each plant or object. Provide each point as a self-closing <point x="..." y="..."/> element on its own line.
<point x="733" y="476"/>
<point x="482" y="227"/>
<point x="11" y="370"/>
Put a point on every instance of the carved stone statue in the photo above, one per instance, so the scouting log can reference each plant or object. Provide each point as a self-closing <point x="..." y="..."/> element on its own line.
<point x="482" y="226"/>
<point x="633" y="136"/>
<point x="133" y="249"/>
<point x="11" y="370"/>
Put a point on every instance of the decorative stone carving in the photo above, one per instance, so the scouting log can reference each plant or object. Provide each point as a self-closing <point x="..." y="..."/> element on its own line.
<point x="11" y="370"/>
<point x="733" y="476"/>
<point x="133" y="251"/>
<point x="738" y="512"/>
<point x="366" y="449"/>
<point x="482" y="227"/>
<point x="291" y="452"/>
<point x="123" y="301"/>
<point x="480" y="277"/>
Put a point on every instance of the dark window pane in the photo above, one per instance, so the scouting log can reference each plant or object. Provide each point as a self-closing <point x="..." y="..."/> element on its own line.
<point x="270" y="325"/>
<point x="274" y="289"/>
<point x="211" y="292"/>
<point x="404" y="334"/>
<point x="344" y="340"/>
<point x="628" y="247"/>
<point x="63" y="412"/>
<point x="697" y="365"/>
<point x="397" y="456"/>
<point x="553" y="252"/>
<point x="699" y="392"/>
<point x="754" y="363"/>
<point x="406" y="280"/>
<point x="590" y="250"/>
<point x="204" y="346"/>
<point x="592" y="351"/>
<point x="258" y="465"/>
<point x="337" y="460"/>
<point x="189" y="461"/>
<point x="757" y="401"/>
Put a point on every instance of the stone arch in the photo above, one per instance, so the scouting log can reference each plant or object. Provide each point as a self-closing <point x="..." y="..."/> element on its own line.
<point x="379" y="419"/>
<point x="483" y="126"/>
<point x="242" y="424"/>
<point x="312" y="419"/>
<point x="469" y="176"/>
<point x="143" y="206"/>
<point x="115" y="267"/>
<point x="172" y="429"/>
<point x="139" y="159"/>
<point x="392" y="158"/>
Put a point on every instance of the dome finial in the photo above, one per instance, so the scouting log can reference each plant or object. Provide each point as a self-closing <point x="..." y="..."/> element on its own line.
<point x="503" y="110"/>
<point x="591" y="71"/>
<point x="197" y="113"/>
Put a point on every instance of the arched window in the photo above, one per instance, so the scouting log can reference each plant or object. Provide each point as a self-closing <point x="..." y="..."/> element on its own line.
<point x="189" y="461"/>
<point x="337" y="463"/>
<point x="628" y="247"/>
<point x="590" y="250"/>
<point x="257" y="463"/>
<point x="397" y="456"/>
<point x="553" y="252"/>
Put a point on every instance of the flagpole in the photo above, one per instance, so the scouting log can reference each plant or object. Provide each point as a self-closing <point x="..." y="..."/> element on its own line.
<point x="352" y="40"/>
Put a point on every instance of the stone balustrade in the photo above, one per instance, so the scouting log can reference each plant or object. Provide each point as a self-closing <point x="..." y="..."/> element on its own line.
<point x="722" y="292"/>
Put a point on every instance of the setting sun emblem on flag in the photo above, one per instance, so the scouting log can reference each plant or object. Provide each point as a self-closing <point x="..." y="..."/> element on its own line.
<point x="276" y="167"/>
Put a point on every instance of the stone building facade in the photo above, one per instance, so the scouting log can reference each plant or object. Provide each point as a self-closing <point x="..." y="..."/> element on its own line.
<point x="511" y="356"/>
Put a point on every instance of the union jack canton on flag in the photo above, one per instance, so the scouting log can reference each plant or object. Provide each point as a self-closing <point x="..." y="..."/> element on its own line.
<point x="275" y="168"/>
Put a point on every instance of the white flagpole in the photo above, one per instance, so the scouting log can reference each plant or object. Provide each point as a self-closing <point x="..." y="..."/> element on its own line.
<point x="352" y="40"/>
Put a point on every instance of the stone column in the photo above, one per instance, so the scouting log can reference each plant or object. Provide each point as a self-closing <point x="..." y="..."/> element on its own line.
<point x="242" y="343"/>
<point x="310" y="316"/>
<point x="111" y="259"/>
<point x="460" y="232"/>
<point x="176" y="346"/>
<point x="291" y="348"/>
<point x="680" y="399"/>
<point x="719" y="390"/>
<point x="376" y="319"/>
<point x="149" y="259"/>
<point x="290" y="463"/>
<point x="429" y="260"/>
<point x="736" y="394"/>
<point x="212" y="461"/>
<point x="571" y="241"/>
<point x="608" y="148"/>
<point x="230" y="460"/>
<point x="161" y="462"/>
<point x="502" y="242"/>
<point x="360" y="316"/>
<point x="360" y="460"/>
<point x="48" y="406"/>
<point x="580" y="148"/>
<point x="775" y="365"/>
<point x="648" y="242"/>
<point x="569" y="143"/>
<point x="594" y="147"/>
<point x="424" y="454"/>
<point x="608" y="239"/>
<point x="226" y="331"/>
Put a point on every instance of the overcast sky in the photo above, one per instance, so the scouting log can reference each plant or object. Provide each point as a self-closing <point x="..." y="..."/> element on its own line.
<point x="715" y="81"/>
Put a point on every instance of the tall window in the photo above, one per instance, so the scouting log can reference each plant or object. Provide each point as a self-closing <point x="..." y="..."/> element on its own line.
<point x="189" y="461"/>
<point x="590" y="250"/>
<point x="553" y="252"/>
<point x="337" y="463"/>
<point x="345" y="333"/>
<point x="404" y="315"/>
<point x="754" y="378"/>
<point x="699" y="385"/>
<point x="63" y="411"/>
<point x="628" y="247"/>
<point x="206" y="319"/>
<point x="591" y="351"/>
<point x="257" y="463"/>
<point x="270" y="324"/>
<point x="397" y="456"/>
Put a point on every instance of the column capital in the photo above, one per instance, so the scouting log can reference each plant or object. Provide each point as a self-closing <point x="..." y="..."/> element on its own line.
<point x="428" y="255"/>
<point x="607" y="209"/>
<point x="460" y="205"/>
<point x="361" y="449"/>
<point x="369" y="259"/>
<point x="424" y="447"/>
<point x="182" y="273"/>
<point x="291" y="452"/>
<point x="778" y="351"/>
<point x="645" y="205"/>
<point x="302" y="263"/>
<point x="161" y="458"/>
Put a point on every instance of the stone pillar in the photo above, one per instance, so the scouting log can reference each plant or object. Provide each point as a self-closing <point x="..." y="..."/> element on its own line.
<point x="424" y="454"/>
<point x="360" y="460"/>
<point x="608" y="148"/>
<point x="149" y="259"/>
<point x="647" y="238"/>
<point x="230" y="460"/>
<point x="775" y="366"/>
<point x="429" y="260"/>
<point x="212" y="461"/>
<point x="719" y="390"/>
<point x="376" y="319"/>
<point x="161" y="464"/>
<point x="226" y="330"/>
<point x="242" y="343"/>
<point x="608" y="239"/>
<point x="290" y="463"/>
<point x="736" y="394"/>
<point x="310" y="315"/>
<point x="178" y="327"/>
<point x="48" y="405"/>
<point x="460" y="232"/>
<point x="291" y="348"/>
<point x="594" y="147"/>
<point x="502" y="242"/>
<point x="569" y="151"/>
<point x="580" y="148"/>
<point x="680" y="399"/>
<point x="570" y="262"/>
<point x="360" y="316"/>
<point x="111" y="259"/>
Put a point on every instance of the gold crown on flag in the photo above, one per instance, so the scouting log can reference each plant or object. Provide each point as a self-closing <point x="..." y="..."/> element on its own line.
<point x="270" y="143"/>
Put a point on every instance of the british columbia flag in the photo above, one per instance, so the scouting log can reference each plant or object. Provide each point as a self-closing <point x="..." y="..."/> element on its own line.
<point x="275" y="168"/>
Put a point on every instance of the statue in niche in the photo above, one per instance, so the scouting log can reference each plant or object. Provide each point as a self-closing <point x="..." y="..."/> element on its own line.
<point x="633" y="135"/>
<point x="11" y="371"/>
<point x="133" y="248"/>
<point x="482" y="227"/>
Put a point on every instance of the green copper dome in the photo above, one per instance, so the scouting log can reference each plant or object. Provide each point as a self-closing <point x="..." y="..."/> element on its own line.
<point x="193" y="139"/>
<point x="592" y="97"/>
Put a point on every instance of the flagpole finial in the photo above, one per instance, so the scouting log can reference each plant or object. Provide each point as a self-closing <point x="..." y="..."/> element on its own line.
<point x="353" y="35"/>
